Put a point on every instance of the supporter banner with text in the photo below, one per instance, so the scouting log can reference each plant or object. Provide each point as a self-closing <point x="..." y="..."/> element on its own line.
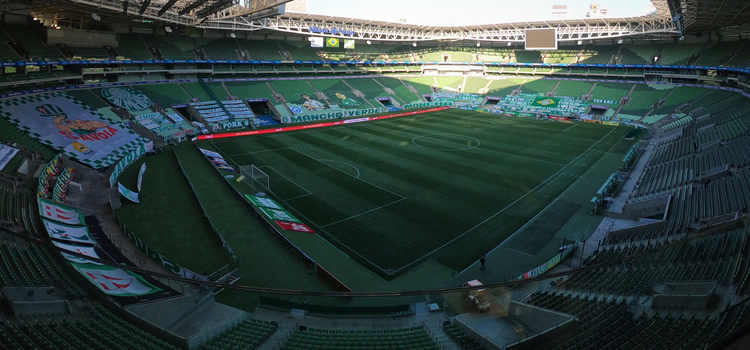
<point x="549" y="264"/>
<point x="276" y="214"/>
<point x="315" y="126"/>
<point x="6" y="154"/>
<point x="59" y="212"/>
<point x="263" y="202"/>
<point x="129" y="158"/>
<point x="87" y="251"/>
<point x="71" y="126"/>
<point x="114" y="281"/>
<point x="70" y="233"/>
<point x="330" y="114"/>
<point x="294" y="226"/>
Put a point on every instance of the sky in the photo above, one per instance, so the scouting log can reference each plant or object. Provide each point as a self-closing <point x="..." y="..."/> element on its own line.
<point x="463" y="12"/>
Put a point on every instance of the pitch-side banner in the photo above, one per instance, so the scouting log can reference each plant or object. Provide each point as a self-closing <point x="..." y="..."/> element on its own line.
<point x="77" y="234"/>
<point x="294" y="226"/>
<point x="116" y="282"/>
<point x="87" y="251"/>
<point x="129" y="158"/>
<point x="263" y="202"/>
<point x="69" y="125"/>
<point x="130" y="195"/>
<point x="275" y="214"/>
<point x="6" y="154"/>
<point x="140" y="175"/>
<point x="59" y="212"/>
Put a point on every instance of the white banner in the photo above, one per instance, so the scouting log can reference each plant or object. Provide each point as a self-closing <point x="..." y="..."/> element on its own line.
<point x="130" y="195"/>
<point x="87" y="251"/>
<point x="114" y="281"/>
<point x="6" y="154"/>
<point x="78" y="234"/>
<point x="59" y="212"/>
<point x="71" y="126"/>
<point x="140" y="176"/>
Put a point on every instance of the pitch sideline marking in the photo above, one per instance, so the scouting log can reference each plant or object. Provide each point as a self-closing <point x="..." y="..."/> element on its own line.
<point x="337" y="169"/>
<point x="516" y="201"/>
<point x="263" y="151"/>
<point x="362" y="213"/>
<point x="288" y="179"/>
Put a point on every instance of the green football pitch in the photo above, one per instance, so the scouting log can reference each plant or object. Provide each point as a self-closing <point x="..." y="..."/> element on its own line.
<point x="447" y="185"/>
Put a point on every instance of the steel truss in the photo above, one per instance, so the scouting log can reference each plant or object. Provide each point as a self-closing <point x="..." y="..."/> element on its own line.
<point x="512" y="32"/>
<point x="251" y="18"/>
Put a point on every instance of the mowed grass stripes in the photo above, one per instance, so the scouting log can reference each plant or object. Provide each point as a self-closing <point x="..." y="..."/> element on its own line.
<point x="448" y="185"/>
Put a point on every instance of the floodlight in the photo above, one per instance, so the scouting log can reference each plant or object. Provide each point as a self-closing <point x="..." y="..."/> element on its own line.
<point x="414" y="44"/>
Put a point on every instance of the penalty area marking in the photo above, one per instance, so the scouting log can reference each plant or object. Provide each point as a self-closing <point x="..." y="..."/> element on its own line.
<point x="338" y="161"/>
<point x="288" y="179"/>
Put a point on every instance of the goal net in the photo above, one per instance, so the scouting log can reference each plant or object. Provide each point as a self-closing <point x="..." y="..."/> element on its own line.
<point x="258" y="179"/>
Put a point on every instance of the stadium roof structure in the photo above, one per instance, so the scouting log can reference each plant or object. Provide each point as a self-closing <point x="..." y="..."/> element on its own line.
<point x="658" y="23"/>
<point x="266" y="16"/>
<point x="696" y="16"/>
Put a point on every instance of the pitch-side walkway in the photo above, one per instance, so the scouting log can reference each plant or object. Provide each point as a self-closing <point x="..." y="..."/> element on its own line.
<point x="627" y="188"/>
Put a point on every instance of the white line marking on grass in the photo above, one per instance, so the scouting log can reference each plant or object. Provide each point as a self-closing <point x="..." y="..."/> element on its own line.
<point x="263" y="151"/>
<point x="338" y="161"/>
<point x="570" y="127"/>
<point x="288" y="179"/>
<point x="479" y="148"/>
<point x="517" y="200"/>
<point x="365" y="181"/>
<point x="432" y="137"/>
<point x="362" y="213"/>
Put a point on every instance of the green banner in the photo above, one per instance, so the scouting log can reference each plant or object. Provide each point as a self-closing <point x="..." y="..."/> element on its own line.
<point x="116" y="282"/>
<point x="130" y="157"/>
<point x="428" y="104"/>
<point x="263" y="202"/>
<point x="331" y="114"/>
<point x="276" y="214"/>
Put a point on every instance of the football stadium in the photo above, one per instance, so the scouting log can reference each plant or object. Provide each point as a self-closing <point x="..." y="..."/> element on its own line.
<point x="277" y="174"/>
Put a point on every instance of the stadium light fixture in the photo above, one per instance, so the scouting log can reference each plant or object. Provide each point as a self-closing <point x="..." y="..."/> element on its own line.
<point x="232" y="35"/>
<point x="369" y="42"/>
<point x="168" y="29"/>
<point x="414" y="44"/>
<point x="479" y="44"/>
<point x="619" y="41"/>
<point x="580" y="42"/>
<point x="509" y="43"/>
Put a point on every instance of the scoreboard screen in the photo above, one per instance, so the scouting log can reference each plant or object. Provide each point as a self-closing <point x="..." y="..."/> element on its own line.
<point x="541" y="39"/>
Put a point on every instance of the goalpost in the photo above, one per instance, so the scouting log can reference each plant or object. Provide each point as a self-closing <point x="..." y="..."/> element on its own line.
<point x="258" y="178"/>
